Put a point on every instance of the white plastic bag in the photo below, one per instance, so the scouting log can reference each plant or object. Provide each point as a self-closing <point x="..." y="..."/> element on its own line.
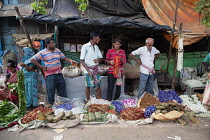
<point x="71" y="71"/>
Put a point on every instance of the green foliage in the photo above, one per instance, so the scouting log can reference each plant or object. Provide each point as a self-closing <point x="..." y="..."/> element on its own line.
<point x="82" y="5"/>
<point x="39" y="6"/>
<point x="13" y="86"/>
<point x="203" y="7"/>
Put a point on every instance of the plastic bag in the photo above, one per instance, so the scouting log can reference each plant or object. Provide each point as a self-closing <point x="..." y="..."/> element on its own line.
<point x="75" y="102"/>
<point x="93" y="100"/>
<point x="71" y="71"/>
<point x="123" y="96"/>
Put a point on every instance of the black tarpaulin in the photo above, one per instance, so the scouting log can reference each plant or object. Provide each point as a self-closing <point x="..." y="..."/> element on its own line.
<point x="110" y="16"/>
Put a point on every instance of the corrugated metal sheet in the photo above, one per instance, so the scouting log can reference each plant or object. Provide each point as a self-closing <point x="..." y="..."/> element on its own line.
<point x="6" y="36"/>
<point x="49" y="5"/>
<point x="11" y="25"/>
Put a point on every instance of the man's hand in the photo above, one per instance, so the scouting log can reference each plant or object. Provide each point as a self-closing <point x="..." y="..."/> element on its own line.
<point x="44" y="68"/>
<point x="90" y="73"/>
<point x="22" y="64"/>
<point x="96" y="60"/>
<point x="72" y="61"/>
<point x="111" y="62"/>
<point x="139" y="62"/>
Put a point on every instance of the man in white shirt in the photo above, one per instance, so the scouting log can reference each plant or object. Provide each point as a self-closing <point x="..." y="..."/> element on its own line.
<point x="90" y="57"/>
<point x="147" y="55"/>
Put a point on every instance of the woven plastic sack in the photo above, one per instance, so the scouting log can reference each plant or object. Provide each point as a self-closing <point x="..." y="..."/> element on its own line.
<point x="71" y="71"/>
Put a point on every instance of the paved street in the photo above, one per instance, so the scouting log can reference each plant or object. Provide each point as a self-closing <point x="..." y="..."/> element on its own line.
<point x="113" y="131"/>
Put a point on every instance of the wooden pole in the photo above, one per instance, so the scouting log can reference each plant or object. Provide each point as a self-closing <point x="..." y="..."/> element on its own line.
<point x="175" y="60"/>
<point x="57" y="36"/>
<point x="20" y="17"/>
<point x="172" y="35"/>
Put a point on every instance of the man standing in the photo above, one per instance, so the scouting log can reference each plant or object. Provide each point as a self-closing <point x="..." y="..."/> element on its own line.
<point x="52" y="70"/>
<point x="147" y="55"/>
<point x="90" y="57"/>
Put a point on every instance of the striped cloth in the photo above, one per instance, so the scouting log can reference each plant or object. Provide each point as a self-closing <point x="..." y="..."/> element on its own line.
<point x="52" y="60"/>
<point x="90" y="82"/>
<point x="111" y="54"/>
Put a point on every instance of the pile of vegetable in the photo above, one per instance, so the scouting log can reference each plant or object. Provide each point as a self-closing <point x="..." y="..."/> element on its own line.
<point x="98" y="108"/>
<point x="20" y="89"/>
<point x="131" y="113"/>
<point x="5" y="108"/>
<point x="94" y="117"/>
<point x="148" y="99"/>
<point x="51" y="118"/>
<point x="35" y="113"/>
<point x="168" y="107"/>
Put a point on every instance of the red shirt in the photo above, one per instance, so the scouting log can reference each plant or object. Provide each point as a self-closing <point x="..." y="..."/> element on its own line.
<point x="111" y="54"/>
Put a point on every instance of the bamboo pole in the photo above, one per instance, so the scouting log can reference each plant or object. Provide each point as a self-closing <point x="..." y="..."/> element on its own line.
<point x="172" y="35"/>
<point x="176" y="59"/>
<point x="20" y="17"/>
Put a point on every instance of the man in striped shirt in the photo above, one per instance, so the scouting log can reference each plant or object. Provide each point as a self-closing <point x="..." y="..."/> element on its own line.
<point x="52" y="70"/>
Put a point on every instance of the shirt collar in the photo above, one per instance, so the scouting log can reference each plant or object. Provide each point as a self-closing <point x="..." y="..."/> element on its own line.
<point x="89" y="44"/>
<point x="146" y="48"/>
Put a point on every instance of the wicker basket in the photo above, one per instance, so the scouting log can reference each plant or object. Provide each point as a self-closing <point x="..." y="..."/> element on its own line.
<point x="131" y="72"/>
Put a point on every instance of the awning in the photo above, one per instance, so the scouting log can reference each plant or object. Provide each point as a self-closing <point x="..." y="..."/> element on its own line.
<point x="9" y="10"/>
<point x="22" y="40"/>
<point x="162" y="12"/>
<point x="118" y="17"/>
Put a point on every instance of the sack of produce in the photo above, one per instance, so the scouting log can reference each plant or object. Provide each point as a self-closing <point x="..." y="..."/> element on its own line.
<point x="38" y="113"/>
<point x="71" y="71"/>
<point x="131" y="113"/>
<point x="7" y="111"/>
<point x="170" y="116"/>
<point x="93" y="118"/>
<point x="146" y="100"/>
<point x="98" y="108"/>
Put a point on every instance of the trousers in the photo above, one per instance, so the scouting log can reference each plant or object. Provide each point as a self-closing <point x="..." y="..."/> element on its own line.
<point x="55" y="81"/>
